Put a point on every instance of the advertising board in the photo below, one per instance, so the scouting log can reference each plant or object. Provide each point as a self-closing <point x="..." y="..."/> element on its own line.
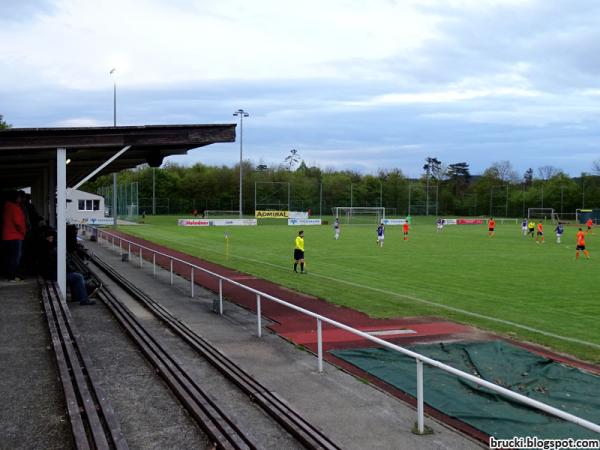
<point x="93" y="221"/>
<point x="271" y="214"/>
<point x="394" y="221"/>
<point x="193" y="223"/>
<point x="303" y="222"/>
<point x="233" y="222"/>
<point x="298" y="215"/>
<point x="469" y="221"/>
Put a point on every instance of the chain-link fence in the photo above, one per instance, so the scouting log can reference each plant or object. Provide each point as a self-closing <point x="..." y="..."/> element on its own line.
<point x="403" y="196"/>
<point x="127" y="200"/>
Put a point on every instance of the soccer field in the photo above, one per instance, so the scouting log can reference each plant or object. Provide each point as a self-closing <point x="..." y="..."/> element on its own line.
<point x="508" y="283"/>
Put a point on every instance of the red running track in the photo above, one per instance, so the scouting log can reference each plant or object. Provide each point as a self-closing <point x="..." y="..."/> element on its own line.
<point x="302" y="330"/>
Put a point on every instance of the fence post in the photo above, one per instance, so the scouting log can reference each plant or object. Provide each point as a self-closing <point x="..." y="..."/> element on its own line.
<point x="320" y="344"/>
<point x="221" y="296"/>
<point x="192" y="281"/>
<point x="171" y="269"/>
<point x="129" y="250"/>
<point x="120" y="247"/>
<point x="420" y="413"/>
<point x="141" y="258"/>
<point x="258" y="318"/>
<point x="113" y="243"/>
<point x="154" y="263"/>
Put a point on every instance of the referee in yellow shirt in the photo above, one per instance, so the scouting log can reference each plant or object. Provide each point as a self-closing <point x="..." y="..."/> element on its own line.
<point x="299" y="252"/>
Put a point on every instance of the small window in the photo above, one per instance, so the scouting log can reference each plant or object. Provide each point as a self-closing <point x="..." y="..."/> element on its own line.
<point x="96" y="205"/>
<point x="89" y="205"/>
<point x="81" y="206"/>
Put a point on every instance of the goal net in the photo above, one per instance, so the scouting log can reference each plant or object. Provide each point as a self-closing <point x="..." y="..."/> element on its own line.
<point x="220" y="214"/>
<point x="358" y="215"/>
<point x="272" y="195"/>
<point x="542" y="213"/>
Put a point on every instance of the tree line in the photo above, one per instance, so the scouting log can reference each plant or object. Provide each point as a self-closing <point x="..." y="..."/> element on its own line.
<point x="441" y="189"/>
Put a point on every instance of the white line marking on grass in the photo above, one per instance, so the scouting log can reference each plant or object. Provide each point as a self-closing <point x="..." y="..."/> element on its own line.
<point x="417" y="299"/>
<point x="439" y="305"/>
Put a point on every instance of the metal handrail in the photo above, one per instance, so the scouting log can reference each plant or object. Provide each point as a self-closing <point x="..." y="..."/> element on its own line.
<point x="420" y="359"/>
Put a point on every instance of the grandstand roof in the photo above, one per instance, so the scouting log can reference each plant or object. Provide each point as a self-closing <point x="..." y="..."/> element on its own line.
<point x="25" y="153"/>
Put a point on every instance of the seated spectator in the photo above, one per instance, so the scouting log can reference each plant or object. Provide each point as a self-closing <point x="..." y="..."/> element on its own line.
<point x="75" y="280"/>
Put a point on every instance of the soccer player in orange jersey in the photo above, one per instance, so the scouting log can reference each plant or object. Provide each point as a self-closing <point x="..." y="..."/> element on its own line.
<point x="589" y="224"/>
<point x="540" y="233"/>
<point x="491" y="226"/>
<point x="405" y="231"/>
<point x="581" y="245"/>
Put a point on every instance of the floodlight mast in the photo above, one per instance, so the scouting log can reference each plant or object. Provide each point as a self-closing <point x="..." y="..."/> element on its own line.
<point x="241" y="114"/>
<point x="114" y="196"/>
<point x="112" y="71"/>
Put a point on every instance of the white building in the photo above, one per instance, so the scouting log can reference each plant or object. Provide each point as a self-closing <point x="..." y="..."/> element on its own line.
<point x="83" y="207"/>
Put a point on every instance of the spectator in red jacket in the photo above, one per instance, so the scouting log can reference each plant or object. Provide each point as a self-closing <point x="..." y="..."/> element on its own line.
<point x="14" y="228"/>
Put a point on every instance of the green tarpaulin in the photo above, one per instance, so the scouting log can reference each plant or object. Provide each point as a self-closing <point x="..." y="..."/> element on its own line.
<point x="555" y="384"/>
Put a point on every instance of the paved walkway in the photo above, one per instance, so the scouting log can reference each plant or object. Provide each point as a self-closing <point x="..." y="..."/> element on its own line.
<point x="354" y="414"/>
<point x="32" y="407"/>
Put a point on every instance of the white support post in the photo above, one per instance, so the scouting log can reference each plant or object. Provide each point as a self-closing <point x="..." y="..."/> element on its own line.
<point x="258" y="314"/>
<point x="141" y="257"/>
<point x="320" y="344"/>
<point x="154" y="264"/>
<point x="61" y="221"/>
<point x="129" y="251"/>
<point x="171" y="270"/>
<point x="420" y="411"/>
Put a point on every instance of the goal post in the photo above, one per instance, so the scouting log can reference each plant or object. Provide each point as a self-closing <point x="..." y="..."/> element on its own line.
<point x="357" y="215"/>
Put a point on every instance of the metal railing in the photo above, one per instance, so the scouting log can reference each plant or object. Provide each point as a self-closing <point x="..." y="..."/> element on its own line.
<point x="420" y="359"/>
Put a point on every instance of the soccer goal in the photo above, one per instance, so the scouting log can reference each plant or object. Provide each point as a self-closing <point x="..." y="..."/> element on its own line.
<point x="542" y="213"/>
<point x="358" y="215"/>
<point x="220" y="214"/>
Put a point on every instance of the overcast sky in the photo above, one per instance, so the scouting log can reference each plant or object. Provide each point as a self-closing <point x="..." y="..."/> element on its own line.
<point x="350" y="84"/>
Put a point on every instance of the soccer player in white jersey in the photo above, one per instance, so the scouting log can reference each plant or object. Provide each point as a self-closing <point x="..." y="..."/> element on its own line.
<point x="524" y="227"/>
<point x="440" y="225"/>
<point x="336" y="228"/>
<point x="559" y="230"/>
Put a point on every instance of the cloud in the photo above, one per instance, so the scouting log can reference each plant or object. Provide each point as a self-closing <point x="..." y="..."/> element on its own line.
<point x="349" y="83"/>
<point x="80" y="122"/>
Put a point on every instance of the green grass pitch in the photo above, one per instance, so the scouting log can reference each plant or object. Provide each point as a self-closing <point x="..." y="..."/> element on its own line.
<point x="507" y="283"/>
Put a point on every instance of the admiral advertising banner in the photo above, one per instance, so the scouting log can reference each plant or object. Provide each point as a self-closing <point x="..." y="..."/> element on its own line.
<point x="271" y="214"/>
<point x="304" y="222"/>
<point x="450" y="222"/>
